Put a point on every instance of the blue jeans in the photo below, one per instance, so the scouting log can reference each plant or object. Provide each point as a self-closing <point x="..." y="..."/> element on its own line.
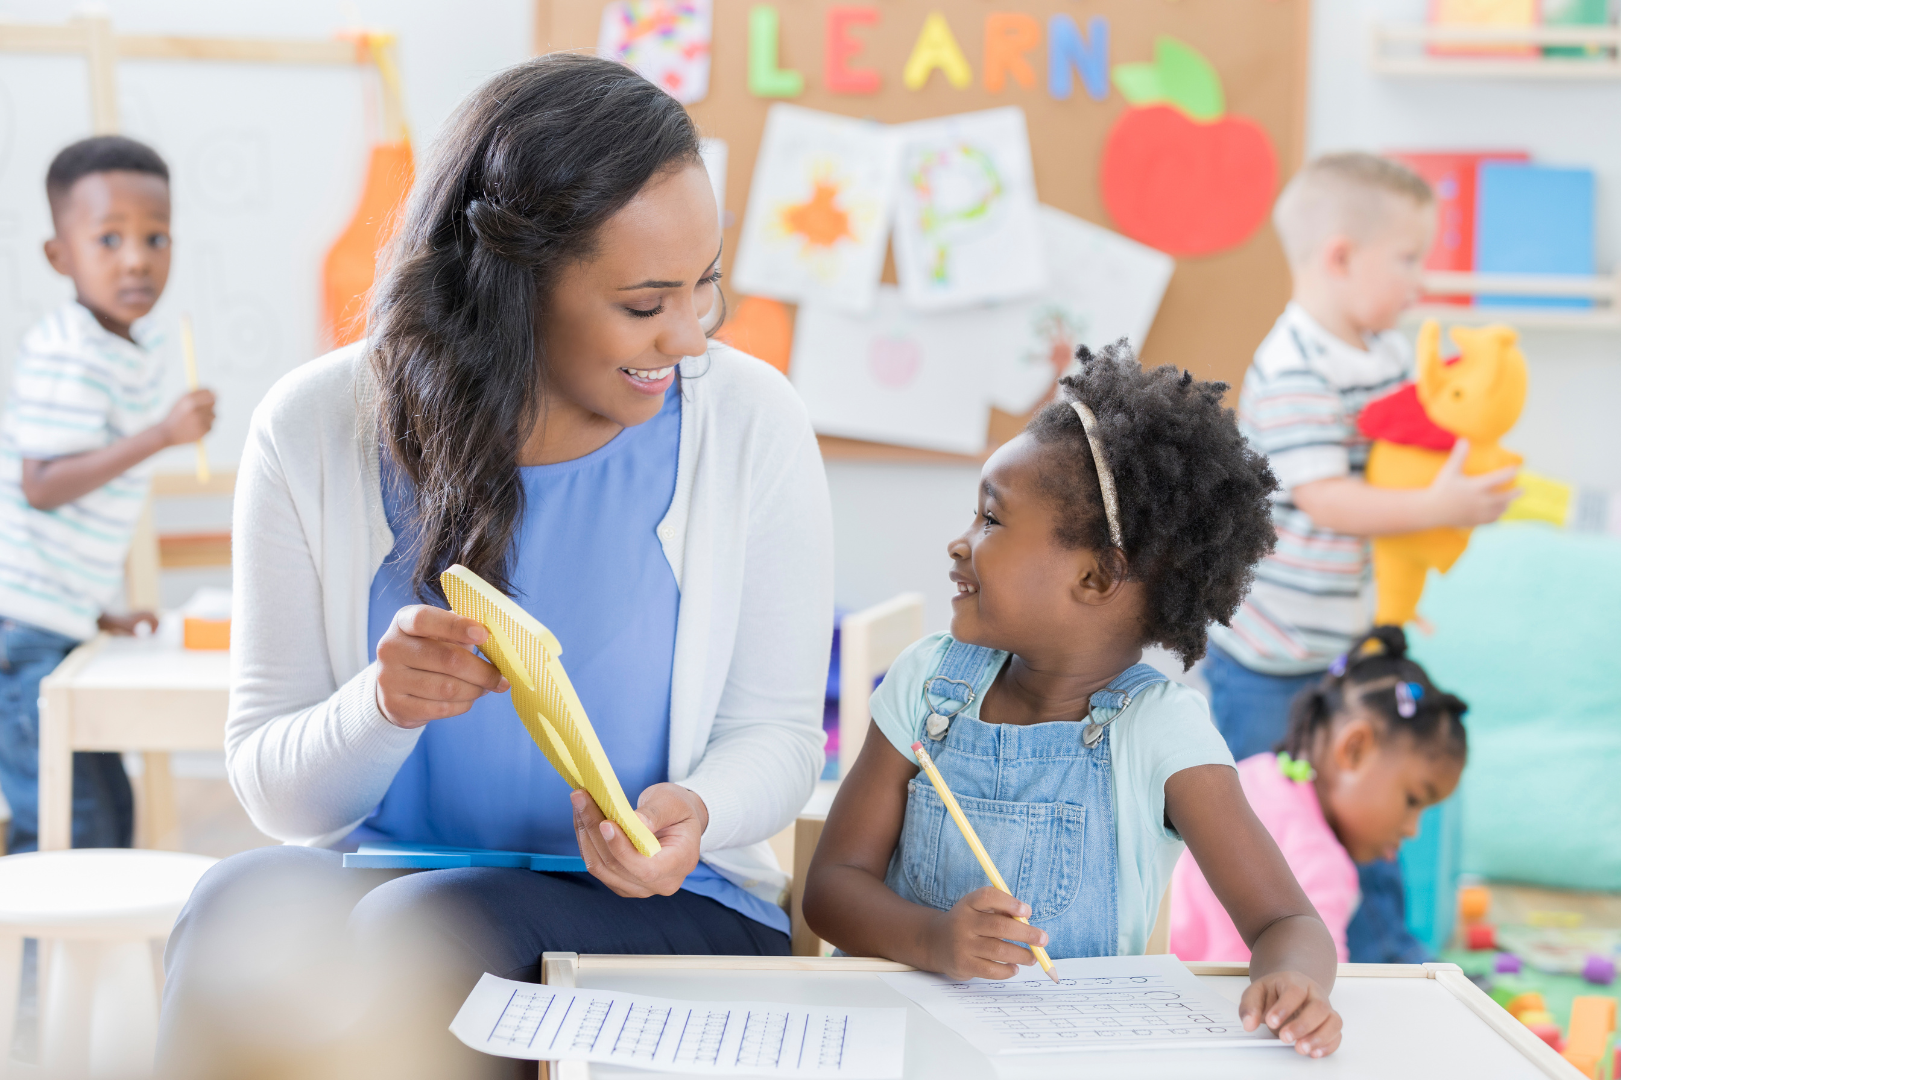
<point x="1251" y="710"/>
<point x="1377" y="933"/>
<point x="102" y="797"/>
<point x="279" y="933"/>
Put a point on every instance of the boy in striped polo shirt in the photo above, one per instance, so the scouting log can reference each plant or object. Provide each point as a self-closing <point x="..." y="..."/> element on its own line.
<point x="84" y="416"/>
<point x="1356" y="228"/>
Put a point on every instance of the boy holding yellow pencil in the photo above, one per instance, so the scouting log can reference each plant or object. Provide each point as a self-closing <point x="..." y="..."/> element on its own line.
<point x="1032" y="742"/>
<point x="84" y="416"/>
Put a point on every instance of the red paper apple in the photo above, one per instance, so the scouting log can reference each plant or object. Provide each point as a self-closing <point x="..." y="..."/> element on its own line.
<point x="1179" y="173"/>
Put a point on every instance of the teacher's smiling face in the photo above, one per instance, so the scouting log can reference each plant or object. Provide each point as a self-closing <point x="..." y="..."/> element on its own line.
<point x="615" y="322"/>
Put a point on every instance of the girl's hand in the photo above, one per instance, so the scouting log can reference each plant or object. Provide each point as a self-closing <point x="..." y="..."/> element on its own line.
<point x="967" y="941"/>
<point x="677" y="817"/>
<point x="1296" y="1009"/>
<point x="425" y="668"/>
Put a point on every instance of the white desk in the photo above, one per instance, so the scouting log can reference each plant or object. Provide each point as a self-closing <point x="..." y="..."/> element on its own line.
<point x="1402" y="1021"/>
<point x="127" y="694"/>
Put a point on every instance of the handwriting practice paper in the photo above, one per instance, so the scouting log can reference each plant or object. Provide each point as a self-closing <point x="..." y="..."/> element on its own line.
<point x="711" y="1038"/>
<point x="1102" y="1003"/>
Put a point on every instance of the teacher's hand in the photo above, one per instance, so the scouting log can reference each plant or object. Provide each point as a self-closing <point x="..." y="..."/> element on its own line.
<point x="425" y="668"/>
<point x="677" y="817"/>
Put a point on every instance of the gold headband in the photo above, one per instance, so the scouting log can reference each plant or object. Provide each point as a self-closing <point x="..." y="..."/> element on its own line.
<point x="1107" y="495"/>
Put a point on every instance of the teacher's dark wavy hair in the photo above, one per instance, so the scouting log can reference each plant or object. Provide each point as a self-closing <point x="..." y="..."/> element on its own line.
<point x="531" y="167"/>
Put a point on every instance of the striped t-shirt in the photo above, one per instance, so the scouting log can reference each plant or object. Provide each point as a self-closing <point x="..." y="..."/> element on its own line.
<point x="1311" y="595"/>
<point x="76" y="388"/>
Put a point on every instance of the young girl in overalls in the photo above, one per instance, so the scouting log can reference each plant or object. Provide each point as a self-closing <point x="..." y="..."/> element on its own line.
<point x="1130" y="513"/>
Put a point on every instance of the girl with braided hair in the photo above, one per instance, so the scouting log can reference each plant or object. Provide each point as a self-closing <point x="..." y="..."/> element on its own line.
<point x="1367" y="749"/>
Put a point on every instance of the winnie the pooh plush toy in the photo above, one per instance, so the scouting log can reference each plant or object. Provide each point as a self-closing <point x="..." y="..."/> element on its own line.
<point x="1475" y="396"/>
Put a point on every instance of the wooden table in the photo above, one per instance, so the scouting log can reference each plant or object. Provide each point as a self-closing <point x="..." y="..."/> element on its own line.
<point x="128" y="694"/>
<point x="1402" y="1020"/>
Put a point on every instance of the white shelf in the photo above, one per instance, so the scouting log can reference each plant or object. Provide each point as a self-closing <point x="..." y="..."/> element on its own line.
<point x="1520" y="318"/>
<point x="1399" y="49"/>
<point x="1603" y="291"/>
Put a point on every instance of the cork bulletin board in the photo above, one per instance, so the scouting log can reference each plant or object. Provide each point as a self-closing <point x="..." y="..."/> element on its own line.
<point x="1218" y="305"/>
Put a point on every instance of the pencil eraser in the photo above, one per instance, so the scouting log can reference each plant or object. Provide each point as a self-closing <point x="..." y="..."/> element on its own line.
<point x="917" y="748"/>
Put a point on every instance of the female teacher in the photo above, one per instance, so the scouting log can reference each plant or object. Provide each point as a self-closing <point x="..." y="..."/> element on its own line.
<point x="537" y="399"/>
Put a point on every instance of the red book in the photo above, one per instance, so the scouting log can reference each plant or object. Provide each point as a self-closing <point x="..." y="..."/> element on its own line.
<point x="1452" y="176"/>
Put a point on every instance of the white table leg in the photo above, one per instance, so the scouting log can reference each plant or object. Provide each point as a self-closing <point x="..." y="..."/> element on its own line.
<point x="56" y="771"/>
<point x="66" y="1009"/>
<point x="10" y="957"/>
<point x="126" y="1011"/>
<point x="159" y="820"/>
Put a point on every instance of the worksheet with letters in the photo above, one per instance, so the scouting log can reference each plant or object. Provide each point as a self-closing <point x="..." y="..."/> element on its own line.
<point x="713" y="1038"/>
<point x="1101" y="1003"/>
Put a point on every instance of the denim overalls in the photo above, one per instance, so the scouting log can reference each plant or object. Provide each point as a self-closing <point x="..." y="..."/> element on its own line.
<point x="1040" y="797"/>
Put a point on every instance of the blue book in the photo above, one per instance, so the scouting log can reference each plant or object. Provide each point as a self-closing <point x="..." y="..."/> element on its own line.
<point x="382" y="856"/>
<point x="1533" y="220"/>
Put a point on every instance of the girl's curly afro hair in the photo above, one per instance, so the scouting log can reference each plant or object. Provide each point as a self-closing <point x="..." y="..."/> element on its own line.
<point x="1193" y="495"/>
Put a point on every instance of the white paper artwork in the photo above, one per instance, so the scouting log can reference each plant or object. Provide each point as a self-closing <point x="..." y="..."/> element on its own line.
<point x="711" y="1038"/>
<point x="670" y="42"/>
<point x="816" y="222"/>
<point x="1101" y="1003"/>
<point x="1104" y="287"/>
<point x="965" y="221"/>
<point x="900" y="377"/>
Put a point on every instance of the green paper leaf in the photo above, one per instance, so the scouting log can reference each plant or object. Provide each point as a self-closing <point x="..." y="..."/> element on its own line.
<point x="1178" y="76"/>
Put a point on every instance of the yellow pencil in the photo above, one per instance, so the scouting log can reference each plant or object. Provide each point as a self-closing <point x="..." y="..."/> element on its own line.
<point x="193" y="383"/>
<point x="973" y="841"/>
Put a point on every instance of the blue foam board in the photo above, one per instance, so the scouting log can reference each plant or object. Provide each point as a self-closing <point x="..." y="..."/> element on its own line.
<point x="383" y="856"/>
<point x="1531" y="219"/>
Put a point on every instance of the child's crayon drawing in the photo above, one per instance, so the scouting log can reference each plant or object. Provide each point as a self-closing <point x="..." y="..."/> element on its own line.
<point x="815" y="227"/>
<point x="965" y="229"/>
<point x="1103" y="287"/>
<point x="895" y="376"/>
<point x="668" y="41"/>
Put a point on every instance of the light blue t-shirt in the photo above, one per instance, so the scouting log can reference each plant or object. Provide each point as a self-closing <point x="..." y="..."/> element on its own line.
<point x="1167" y="728"/>
<point x="589" y="566"/>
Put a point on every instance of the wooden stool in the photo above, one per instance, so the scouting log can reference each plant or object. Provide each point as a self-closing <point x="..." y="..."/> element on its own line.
<point x="95" y="913"/>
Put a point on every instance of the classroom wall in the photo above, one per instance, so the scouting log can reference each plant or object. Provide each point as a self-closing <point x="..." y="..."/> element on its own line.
<point x="893" y="521"/>
<point x="267" y="163"/>
<point x="268" y="178"/>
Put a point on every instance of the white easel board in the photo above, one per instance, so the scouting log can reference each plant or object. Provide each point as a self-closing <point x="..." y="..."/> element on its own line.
<point x="1401" y="1021"/>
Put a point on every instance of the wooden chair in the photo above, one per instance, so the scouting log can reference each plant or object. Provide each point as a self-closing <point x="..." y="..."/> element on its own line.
<point x="870" y="641"/>
<point x="156" y="822"/>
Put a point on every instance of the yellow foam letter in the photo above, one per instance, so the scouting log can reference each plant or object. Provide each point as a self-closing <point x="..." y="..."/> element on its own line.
<point x="937" y="49"/>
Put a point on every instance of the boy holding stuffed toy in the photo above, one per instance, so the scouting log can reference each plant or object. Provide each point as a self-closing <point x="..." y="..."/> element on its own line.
<point x="1356" y="228"/>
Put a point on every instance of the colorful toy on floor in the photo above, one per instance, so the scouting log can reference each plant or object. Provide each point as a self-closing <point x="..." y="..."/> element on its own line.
<point x="1476" y="396"/>
<point x="1549" y="1033"/>
<point x="1474" y="902"/>
<point x="1506" y="964"/>
<point x="1592" y="1021"/>
<point x="1599" y="970"/>
<point x="1521" y="1004"/>
<point x="1480" y="937"/>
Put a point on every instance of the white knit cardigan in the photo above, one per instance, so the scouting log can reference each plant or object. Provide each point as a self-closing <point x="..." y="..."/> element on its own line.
<point x="749" y="538"/>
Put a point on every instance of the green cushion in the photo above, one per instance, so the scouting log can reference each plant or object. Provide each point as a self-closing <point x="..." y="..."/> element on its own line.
<point x="1527" y="630"/>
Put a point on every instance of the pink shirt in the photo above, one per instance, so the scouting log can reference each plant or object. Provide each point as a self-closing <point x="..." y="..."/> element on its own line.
<point x="1201" y="929"/>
